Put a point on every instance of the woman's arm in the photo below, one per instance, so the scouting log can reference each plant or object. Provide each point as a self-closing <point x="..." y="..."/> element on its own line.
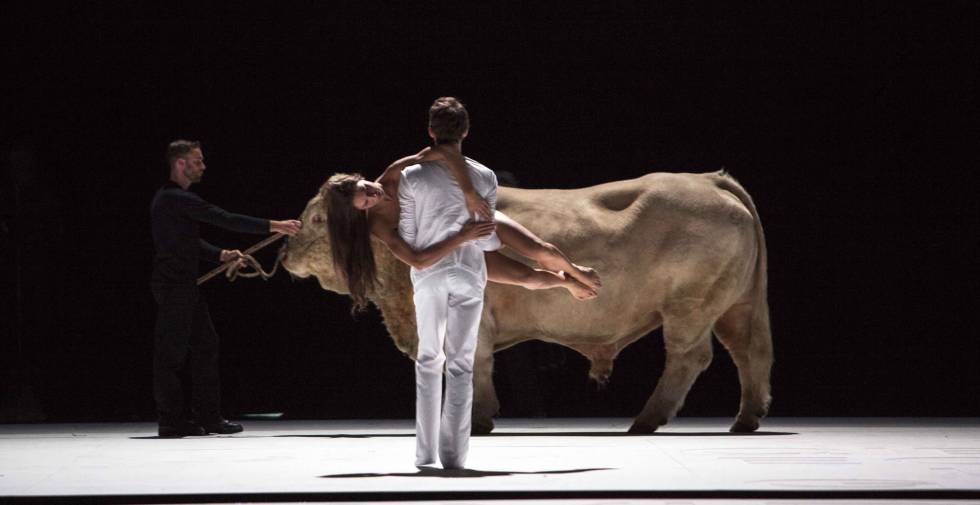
<point x="475" y="204"/>
<point x="394" y="171"/>
<point x="430" y="255"/>
<point x="457" y="167"/>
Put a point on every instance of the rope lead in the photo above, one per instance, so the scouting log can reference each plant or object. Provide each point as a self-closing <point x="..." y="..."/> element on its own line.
<point x="233" y="269"/>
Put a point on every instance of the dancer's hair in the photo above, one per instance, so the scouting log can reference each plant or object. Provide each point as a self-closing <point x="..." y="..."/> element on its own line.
<point x="350" y="238"/>
<point x="448" y="119"/>
<point x="180" y="148"/>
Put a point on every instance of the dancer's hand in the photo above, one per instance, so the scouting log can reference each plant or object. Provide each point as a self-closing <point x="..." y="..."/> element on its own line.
<point x="289" y="227"/>
<point x="430" y="154"/>
<point x="473" y="230"/>
<point x="230" y="254"/>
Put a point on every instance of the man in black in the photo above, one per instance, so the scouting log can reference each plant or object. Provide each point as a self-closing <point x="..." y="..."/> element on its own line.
<point x="184" y="335"/>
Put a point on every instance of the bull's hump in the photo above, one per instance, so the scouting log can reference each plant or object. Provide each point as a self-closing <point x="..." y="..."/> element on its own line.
<point x="677" y="194"/>
<point x="507" y="196"/>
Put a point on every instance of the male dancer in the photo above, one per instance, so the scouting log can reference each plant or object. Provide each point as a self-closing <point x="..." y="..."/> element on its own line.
<point x="448" y="295"/>
<point x="184" y="332"/>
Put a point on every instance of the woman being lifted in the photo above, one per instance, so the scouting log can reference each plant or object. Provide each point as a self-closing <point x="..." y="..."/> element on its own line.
<point x="358" y="209"/>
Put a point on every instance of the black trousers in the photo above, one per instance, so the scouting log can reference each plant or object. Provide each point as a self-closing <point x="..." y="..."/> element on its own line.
<point x="185" y="345"/>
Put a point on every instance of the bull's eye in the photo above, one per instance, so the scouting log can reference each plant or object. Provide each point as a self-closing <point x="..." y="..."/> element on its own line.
<point x="317" y="219"/>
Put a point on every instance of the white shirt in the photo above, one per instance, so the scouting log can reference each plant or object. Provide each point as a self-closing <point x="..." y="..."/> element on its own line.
<point x="433" y="209"/>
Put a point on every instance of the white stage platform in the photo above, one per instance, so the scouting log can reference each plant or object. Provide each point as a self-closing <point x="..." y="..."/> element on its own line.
<point x="577" y="460"/>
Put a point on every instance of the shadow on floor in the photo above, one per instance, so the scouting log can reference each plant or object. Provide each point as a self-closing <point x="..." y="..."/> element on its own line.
<point x="519" y="434"/>
<point x="189" y="437"/>
<point x="455" y="474"/>
<point x="624" y="434"/>
<point x="567" y="434"/>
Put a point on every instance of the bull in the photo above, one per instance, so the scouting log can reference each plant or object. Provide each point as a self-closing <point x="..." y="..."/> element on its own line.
<point x="682" y="251"/>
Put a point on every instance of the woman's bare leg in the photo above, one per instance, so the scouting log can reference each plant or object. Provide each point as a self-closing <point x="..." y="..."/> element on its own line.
<point x="527" y="244"/>
<point x="503" y="270"/>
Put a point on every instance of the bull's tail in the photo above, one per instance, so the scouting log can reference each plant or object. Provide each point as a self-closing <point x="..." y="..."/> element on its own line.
<point x="760" y="280"/>
<point x="744" y="329"/>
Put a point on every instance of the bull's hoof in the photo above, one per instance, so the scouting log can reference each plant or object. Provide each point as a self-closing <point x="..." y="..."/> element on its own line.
<point x="639" y="428"/>
<point x="741" y="426"/>
<point x="481" y="427"/>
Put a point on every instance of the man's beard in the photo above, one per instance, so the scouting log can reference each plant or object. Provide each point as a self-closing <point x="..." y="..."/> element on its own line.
<point x="193" y="176"/>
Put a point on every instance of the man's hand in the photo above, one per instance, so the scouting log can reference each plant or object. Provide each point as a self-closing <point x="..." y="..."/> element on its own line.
<point x="289" y="227"/>
<point x="473" y="230"/>
<point x="230" y="254"/>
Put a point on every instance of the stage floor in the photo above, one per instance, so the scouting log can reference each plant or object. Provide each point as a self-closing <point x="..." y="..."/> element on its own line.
<point x="582" y="460"/>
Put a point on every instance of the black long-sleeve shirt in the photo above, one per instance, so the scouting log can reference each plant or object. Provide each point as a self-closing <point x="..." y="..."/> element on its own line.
<point x="175" y="214"/>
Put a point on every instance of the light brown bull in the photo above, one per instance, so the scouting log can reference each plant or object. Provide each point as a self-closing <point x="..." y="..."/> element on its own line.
<point x="685" y="251"/>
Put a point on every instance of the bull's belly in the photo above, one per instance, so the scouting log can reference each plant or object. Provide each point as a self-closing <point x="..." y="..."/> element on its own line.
<point x="554" y="315"/>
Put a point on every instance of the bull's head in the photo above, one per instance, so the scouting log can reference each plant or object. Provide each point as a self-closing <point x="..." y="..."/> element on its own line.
<point x="308" y="252"/>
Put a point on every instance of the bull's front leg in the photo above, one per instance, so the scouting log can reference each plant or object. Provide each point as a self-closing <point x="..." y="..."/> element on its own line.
<point x="485" y="404"/>
<point x="688" y="354"/>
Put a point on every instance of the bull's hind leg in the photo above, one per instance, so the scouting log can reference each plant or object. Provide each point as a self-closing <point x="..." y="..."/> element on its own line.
<point x="744" y="331"/>
<point x="688" y="354"/>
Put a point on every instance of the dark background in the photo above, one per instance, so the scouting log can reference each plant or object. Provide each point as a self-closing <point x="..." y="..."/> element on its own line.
<point x="852" y="127"/>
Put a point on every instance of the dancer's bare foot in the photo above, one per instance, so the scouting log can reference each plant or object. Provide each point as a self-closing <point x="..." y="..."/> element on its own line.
<point x="555" y="261"/>
<point x="577" y="289"/>
<point x="586" y="276"/>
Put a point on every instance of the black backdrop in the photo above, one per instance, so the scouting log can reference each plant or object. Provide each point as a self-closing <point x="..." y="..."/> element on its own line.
<point x="825" y="114"/>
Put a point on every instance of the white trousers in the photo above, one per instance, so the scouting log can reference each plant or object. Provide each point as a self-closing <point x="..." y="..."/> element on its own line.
<point x="448" y="306"/>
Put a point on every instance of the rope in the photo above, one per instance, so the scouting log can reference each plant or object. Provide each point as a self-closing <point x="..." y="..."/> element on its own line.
<point x="233" y="268"/>
<point x="248" y="261"/>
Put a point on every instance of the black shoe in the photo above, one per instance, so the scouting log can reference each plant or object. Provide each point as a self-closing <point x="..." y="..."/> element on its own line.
<point x="178" y="430"/>
<point x="223" y="427"/>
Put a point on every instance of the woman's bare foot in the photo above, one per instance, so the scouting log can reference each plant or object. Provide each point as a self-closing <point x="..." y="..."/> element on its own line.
<point x="578" y="290"/>
<point x="556" y="262"/>
<point x="586" y="276"/>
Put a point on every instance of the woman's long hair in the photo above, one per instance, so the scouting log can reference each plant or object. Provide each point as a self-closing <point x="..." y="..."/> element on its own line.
<point x="350" y="238"/>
